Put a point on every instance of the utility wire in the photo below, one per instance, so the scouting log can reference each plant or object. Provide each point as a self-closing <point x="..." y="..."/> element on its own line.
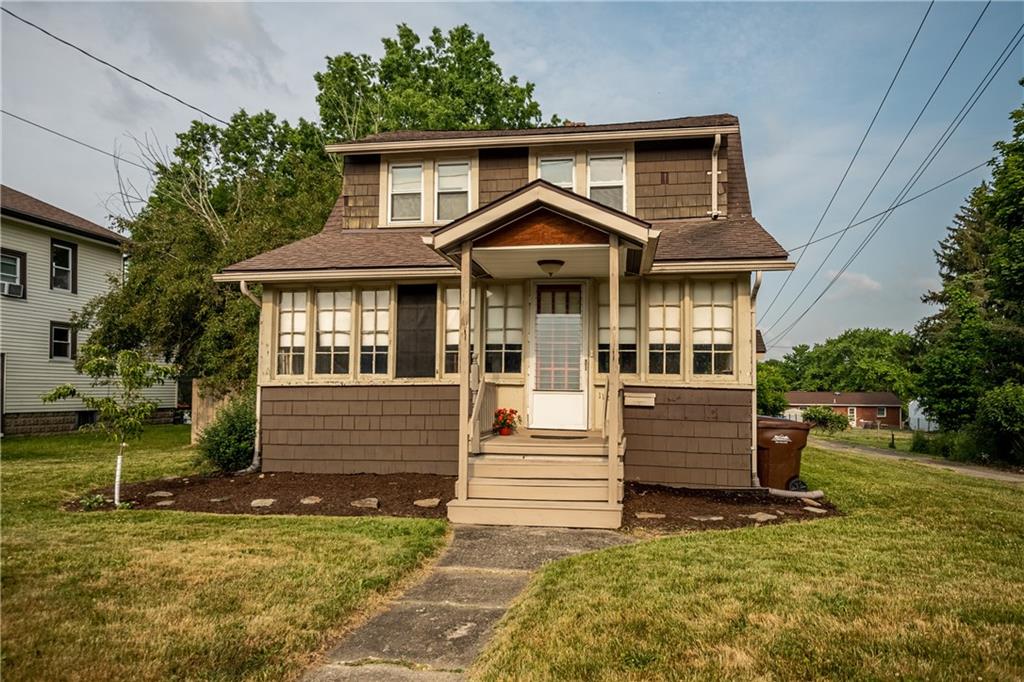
<point x="885" y="170"/>
<point x="76" y="141"/>
<point x="972" y="100"/>
<point x="115" y="68"/>
<point x="888" y="210"/>
<point x="856" y="153"/>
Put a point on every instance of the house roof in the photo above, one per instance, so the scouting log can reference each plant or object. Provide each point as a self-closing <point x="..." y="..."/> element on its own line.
<point x="712" y="120"/>
<point x="759" y="342"/>
<point x="851" y="399"/>
<point x="19" y="205"/>
<point x="723" y="239"/>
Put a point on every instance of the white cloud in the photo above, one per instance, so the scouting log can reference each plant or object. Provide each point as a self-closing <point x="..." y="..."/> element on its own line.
<point x="852" y="283"/>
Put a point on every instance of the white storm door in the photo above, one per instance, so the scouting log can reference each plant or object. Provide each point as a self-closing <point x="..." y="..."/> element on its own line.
<point x="558" y="385"/>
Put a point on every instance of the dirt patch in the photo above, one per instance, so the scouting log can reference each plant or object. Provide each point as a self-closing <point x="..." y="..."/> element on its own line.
<point x="234" y="494"/>
<point x="714" y="509"/>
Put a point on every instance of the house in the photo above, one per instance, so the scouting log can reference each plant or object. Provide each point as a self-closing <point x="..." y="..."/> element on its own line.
<point x="918" y="419"/>
<point x="868" y="409"/>
<point x="53" y="263"/>
<point x="599" y="279"/>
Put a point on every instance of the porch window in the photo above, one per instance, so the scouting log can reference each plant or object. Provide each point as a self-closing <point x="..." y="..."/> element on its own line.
<point x="663" y="322"/>
<point x="712" y="327"/>
<point x="607" y="180"/>
<point x="452" y="200"/>
<point x="333" y="331"/>
<point x="627" y="328"/>
<point x="375" y="331"/>
<point x="452" y="296"/>
<point x="503" y="345"/>
<point x="406" y="192"/>
<point x="291" y="333"/>
<point x="558" y="171"/>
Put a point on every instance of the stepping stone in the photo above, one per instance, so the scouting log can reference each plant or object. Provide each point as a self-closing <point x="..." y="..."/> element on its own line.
<point x="761" y="517"/>
<point x="160" y="493"/>
<point x="708" y="518"/>
<point x="266" y="502"/>
<point x="809" y="502"/>
<point x="165" y="503"/>
<point x="649" y="515"/>
<point x="816" y="510"/>
<point x="312" y="499"/>
<point x="366" y="503"/>
<point x="169" y="478"/>
<point x="219" y="499"/>
<point x="428" y="503"/>
<point x="262" y="475"/>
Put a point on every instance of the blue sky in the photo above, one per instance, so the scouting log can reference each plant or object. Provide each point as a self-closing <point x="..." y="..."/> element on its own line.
<point x="804" y="78"/>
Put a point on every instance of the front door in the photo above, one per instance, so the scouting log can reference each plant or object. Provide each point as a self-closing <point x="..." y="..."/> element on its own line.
<point x="558" y="376"/>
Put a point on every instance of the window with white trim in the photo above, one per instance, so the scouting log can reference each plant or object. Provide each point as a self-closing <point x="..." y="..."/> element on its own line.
<point x="664" y="330"/>
<point x="452" y="298"/>
<point x="405" y="192"/>
<point x="606" y="180"/>
<point x="880" y="412"/>
<point x="503" y="342"/>
<point x="451" y="199"/>
<point x="333" y="331"/>
<point x="627" y="327"/>
<point x="291" y="332"/>
<point x="712" y="327"/>
<point x="12" y="273"/>
<point x="62" y="341"/>
<point x="558" y="171"/>
<point x="375" y="331"/>
<point x="62" y="265"/>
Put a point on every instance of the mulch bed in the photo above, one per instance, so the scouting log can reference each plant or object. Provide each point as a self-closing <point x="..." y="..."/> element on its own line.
<point x="234" y="494"/>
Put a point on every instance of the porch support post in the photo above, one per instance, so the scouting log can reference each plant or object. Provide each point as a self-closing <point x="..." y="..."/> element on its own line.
<point x="613" y="369"/>
<point x="465" y="286"/>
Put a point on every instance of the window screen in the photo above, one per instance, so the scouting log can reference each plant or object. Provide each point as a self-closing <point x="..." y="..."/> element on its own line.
<point x="416" y="322"/>
<point x="333" y="331"/>
<point x="663" y="306"/>
<point x="375" y="331"/>
<point x="503" y="344"/>
<point x="627" y="328"/>
<point x="712" y="327"/>
<point x="291" y="333"/>
<point x="452" y="190"/>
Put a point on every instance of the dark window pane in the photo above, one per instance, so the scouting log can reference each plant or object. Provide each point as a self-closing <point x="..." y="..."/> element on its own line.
<point x="492" y="361"/>
<point x="341" y="363"/>
<point x="723" y="363"/>
<point x="416" y="327"/>
<point x="366" y="360"/>
<point x="656" y="361"/>
<point x="513" y="361"/>
<point x="672" y="362"/>
<point x="627" y="361"/>
<point x="702" y="363"/>
<point x="61" y="279"/>
<point x="298" y="363"/>
<point x="603" y="355"/>
<point x="322" y="365"/>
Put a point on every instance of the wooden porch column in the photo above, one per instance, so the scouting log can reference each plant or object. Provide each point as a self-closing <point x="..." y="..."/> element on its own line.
<point x="613" y="369"/>
<point x="465" y="282"/>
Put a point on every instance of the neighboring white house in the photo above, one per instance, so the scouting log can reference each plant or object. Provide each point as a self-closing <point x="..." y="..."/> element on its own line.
<point x="53" y="263"/>
<point x="918" y="419"/>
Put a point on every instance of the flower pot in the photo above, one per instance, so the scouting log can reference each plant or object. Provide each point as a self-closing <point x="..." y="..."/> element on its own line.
<point x="505" y="431"/>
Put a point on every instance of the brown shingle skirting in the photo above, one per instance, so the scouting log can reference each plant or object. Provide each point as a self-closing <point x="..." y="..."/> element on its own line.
<point x="360" y="429"/>
<point x="692" y="437"/>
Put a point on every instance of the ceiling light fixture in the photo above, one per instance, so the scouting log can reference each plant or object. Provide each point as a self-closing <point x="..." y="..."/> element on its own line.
<point x="550" y="267"/>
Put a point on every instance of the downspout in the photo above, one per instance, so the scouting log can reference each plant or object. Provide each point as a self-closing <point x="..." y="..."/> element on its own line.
<point x="255" y="465"/>
<point x="758" y="276"/>
<point x="714" y="212"/>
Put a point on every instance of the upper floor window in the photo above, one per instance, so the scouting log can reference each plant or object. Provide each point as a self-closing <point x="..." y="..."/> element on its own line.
<point x="503" y="345"/>
<point x="452" y="200"/>
<point x="12" y="273"/>
<point x="333" y="331"/>
<point x="627" y="328"/>
<point x="291" y="333"/>
<point x="558" y="171"/>
<point x="663" y="320"/>
<point x="63" y="341"/>
<point x="63" y="265"/>
<point x="406" y="192"/>
<point x="712" y="327"/>
<point x="375" y="330"/>
<point x="607" y="180"/>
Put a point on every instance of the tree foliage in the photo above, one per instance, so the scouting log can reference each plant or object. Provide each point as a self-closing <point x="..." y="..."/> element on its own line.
<point x="771" y="388"/>
<point x="825" y="418"/>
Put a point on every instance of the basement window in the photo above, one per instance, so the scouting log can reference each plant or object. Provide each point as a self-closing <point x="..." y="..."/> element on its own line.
<point x="291" y="333"/>
<point x="712" y="327"/>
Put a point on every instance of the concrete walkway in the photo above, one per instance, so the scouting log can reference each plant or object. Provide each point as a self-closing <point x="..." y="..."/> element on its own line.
<point x="438" y="628"/>
<point x="924" y="460"/>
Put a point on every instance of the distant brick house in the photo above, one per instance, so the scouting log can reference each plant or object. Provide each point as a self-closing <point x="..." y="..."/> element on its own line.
<point x="868" y="409"/>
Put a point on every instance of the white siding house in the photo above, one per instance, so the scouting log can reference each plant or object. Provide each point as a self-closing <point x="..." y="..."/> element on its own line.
<point x="53" y="264"/>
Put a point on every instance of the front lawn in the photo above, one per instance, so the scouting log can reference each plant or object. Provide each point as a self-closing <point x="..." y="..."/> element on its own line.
<point x="156" y="595"/>
<point x="876" y="438"/>
<point x="923" y="578"/>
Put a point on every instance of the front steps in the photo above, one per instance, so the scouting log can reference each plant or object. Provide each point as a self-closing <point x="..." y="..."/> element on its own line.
<point x="557" y="514"/>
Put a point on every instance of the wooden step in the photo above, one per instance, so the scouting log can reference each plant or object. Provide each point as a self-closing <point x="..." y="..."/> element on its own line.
<point x="547" y="513"/>
<point x="593" y="490"/>
<point x="536" y="446"/>
<point x="540" y="466"/>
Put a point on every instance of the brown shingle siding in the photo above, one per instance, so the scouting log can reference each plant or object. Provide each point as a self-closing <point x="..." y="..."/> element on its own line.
<point x="694" y="437"/>
<point x="502" y="171"/>
<point x="359" y="203"/>
<point x="672" y="179"/>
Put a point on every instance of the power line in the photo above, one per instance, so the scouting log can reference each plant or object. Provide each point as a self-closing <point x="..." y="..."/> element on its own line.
<point x="885" y="170"/>
<point x="115" y="68"/>
<point x="889" y="210"/>
<point x="856" y="153"/>
<point x="76" y="141"/>
<point x="972" y="100"/>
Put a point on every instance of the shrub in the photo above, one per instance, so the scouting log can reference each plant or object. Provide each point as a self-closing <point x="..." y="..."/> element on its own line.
<point x="228" y="442"/>
<point x="920" y="443"/>
<point x="824" y="418"/>
<point x="1000" y="420"/>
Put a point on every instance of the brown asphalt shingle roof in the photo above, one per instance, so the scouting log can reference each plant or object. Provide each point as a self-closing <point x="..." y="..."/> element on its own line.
<point x="20" y="205"/>
<point x="870" y="398"/>
<point x="683" y="122"/>
<point x="722" y="239"/>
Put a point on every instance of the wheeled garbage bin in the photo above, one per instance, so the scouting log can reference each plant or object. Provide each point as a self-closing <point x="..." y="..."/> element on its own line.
<point x="779" y="444"/>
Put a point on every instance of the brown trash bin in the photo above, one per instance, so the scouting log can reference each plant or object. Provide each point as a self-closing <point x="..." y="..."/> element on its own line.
<point x="779" y="444"/>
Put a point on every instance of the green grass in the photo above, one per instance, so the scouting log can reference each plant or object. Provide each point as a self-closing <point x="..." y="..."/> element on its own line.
<point x="147" y="595"/>
<point x="876" y="438"/>
<point x="922" y="578"/>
